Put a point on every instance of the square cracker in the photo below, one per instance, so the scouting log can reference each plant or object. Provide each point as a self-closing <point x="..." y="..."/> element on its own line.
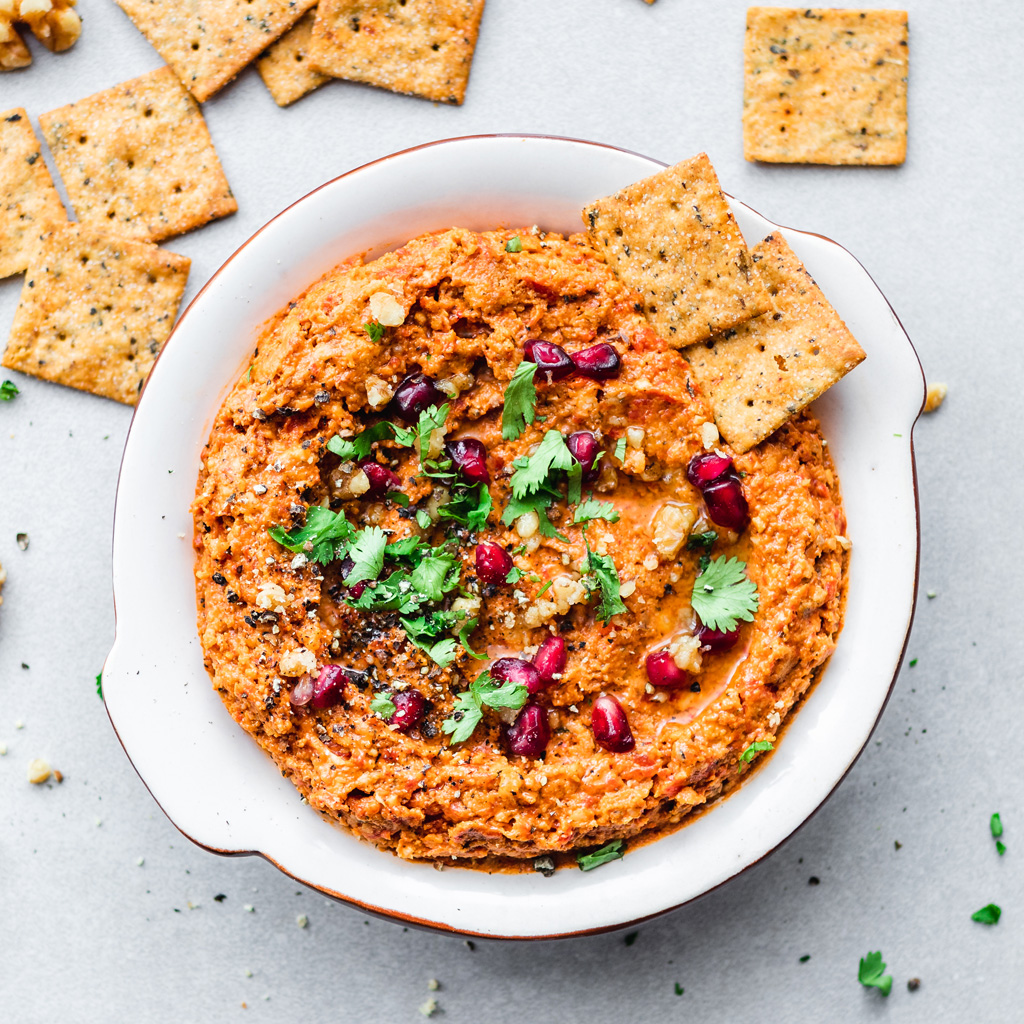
<point x="208" y="42"/>
<point x="95" y="310"/>
<point x="422" y="47"/>
<point x="29" y="204"/>
<point x="137" y="159"/>
<point x="825" y="86"/>
<point x="761" y="373"/>
<point x="672" y="238"/>
<point x="285" y="67"/>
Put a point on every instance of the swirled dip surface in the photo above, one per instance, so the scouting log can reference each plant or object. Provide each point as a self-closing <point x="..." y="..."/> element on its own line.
<point x="460" y="308"/>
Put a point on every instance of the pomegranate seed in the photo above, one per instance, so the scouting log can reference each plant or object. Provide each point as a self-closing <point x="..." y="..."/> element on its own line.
<point x="470" y="458"/>
<point x="584" y="447"/>
<point x="706" y="468"/>
<point x="415" y="394"/>
<point x="381" y="478"/>
<point x="493" y="562"/>
<point x="552" y="359"/>
<point x="664" y="672"/>
<point x="610" y="725"/>
<point x="410" y="707"/>
<point x="329" y="687"/>
<point x="599" y="362"/>
<point x="550" y="660"/>
<point x="528" y="735"/>
<point x="302" y="694"/>
<point x="716" y="640"/>
<point x="515" y="670"/>
<point x="726" y="504"/>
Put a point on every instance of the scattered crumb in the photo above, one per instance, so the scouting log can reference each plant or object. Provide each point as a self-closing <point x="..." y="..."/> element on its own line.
<point x="22" y="539"/>
<point x="433" y="984"/>
<point x="936" y="394"/>
<point x="247" y="973"/>
<point x="932" y="594"/>
<point x="897" y="844"/>
<point x="302" y="921"/>
<point x="140" y="861"/>
<point x="428" y="1008"/>
<point x="913" y="984"/>
<point x="249" y="908"/>
<point x="19" y="724"/>
<point x="3" y="749"/>
<point x="38" y="771"/>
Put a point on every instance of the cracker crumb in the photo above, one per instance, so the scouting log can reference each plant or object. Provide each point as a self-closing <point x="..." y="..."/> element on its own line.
<point x="428" y="1008"/>
<point x="302" y="921"/>
<point x="139" y="861"/>
<point x="433" y="984"/>
<point x="935" y="397"/>
<point x="38" y="771"/>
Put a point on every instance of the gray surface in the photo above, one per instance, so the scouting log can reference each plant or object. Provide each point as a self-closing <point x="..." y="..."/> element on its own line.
<point x="89" y="935"/>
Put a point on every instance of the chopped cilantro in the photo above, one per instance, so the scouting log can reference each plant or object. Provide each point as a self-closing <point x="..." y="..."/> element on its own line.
<point x="324" y="536"/>
<point x="99" y="685"/>
<point x="1000" y="847"/>
<point x="514" y="575"/>
<point x="600" y="573"/>
<point x="483" y="692"/>
<point x="539" y="503"/>
<point x="591" y="509"/>
<point x="423" y="519"/>
<point x="383" y="706"/>
<point x="679" y="989"/>
<point x="705" y="540"/>
<point x="464" y="635"/>
<point x="514" y="245"/>
<point x="989" y="914"/>
<point x="871" y="973"/>
<point x="520" y="398"/>
<point x="630" y="938"/>
<point x="367" y="552"/>
<point x="609" y="852"/>
<point x="722" y="594"/>
<point x="358" y="447"/>
<point x="469" y="504"/>
<point x="995" y="824"/>
<point x="374" y="330"/>
<point x="754" y="749"/>
<point x="620" y="449"/>
<point x="531" y="474"/>
<point x="805" y="958"/>
<point x="545" y="587"/>
<point x="913" y="662"/>
<point x="8" y="390"/>
<point x="431" y="419"/>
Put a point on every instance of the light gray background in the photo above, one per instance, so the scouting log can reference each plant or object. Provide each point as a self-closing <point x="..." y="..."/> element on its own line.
<point x="87" y="934"/>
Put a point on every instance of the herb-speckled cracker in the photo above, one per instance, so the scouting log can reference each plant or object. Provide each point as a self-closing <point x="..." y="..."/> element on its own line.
<point x="208" y="42"/>
<point x="672" y="238"/>
<point x="285" y="67"/>
<point x="29" y="204"/>
<point x="423" y="47"/>
<point x="825" y="86"/>
<point x="137" y="159"/>
<point x="765" y="371"/>
<point x="95" y="310"/>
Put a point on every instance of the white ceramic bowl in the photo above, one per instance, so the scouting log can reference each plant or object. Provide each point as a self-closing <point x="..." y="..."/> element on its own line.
<point x="225" y="794"/>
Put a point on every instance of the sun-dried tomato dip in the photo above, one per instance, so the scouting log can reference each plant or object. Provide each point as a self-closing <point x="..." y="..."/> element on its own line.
<point x="475" y="569"/>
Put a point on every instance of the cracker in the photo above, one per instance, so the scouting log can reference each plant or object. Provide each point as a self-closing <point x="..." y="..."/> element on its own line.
<point x="29" y="204"/>
<point x="422" y="47"/>
<point x="672" y="238"/>
<point x="825" y="86"/>
<point x="761" y="373"/>
<point x="285" y="67"/>
<point x="208" y="42"/>
<point x="95" y="310"/>
<point x="137" y="159"/>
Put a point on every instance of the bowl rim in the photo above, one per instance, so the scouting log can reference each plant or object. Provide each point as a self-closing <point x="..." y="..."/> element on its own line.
<point x="425" y="923"/>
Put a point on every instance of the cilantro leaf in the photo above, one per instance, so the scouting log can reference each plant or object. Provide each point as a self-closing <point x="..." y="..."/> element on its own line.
<point x="620" y="449"/>
<point x="423" y="519"/>
<point x="520" y="399"/>
<point x="482" y="692"/>
<point x="609" y="852"/>
<point x="99" y="685"/>
<point x="464" y="635"/>
<point x="358" y="448"/>
<point x="514" y="244"/>
<point x="606" y="578"/>
<point x="464" y="719"/>
<point x="754" y="749"/>
<point x="470" y="505"/>
<point x="591" y="509"/>
<point x="383" y="706"/>
<point x="1000" y="847"/>
<point x="435" y="576"/>
<point x="443" y="652"/>
<point x="539" y="503"/>
<point x="367" y="552"/>
<point x="722" y="594"/>
<point x="8" y="390"/>
<point x="506" y="695"/>
<point x="323" y="538"/>
<point x="871" y="973"/>
<point x="989" y="914"/>
<point x="995" y="823"/>
<point x="374" y="330"/>
<point x="551" y="454"/>
<point x="705" y="540"/>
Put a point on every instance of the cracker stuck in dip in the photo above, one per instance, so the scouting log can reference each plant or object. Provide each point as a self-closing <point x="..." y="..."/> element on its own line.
<point x="475" y="571"/>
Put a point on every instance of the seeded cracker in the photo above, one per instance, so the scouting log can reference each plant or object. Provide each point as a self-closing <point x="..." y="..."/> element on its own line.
<point x="137" y="159"/>
<point x="763" y="372"/>
<point x="422" y="47"/>
<point x="672" y="238"/>
<point x="29" y="204"/>
<point x="208" y="42"/>
<point x="285" y="67"/>
<point x="825" y="86"/>
<point x="95" y="310"/>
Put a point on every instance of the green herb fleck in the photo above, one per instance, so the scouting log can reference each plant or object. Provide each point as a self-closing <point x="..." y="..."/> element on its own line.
<point x="609" y="852"/>
<point x="995" y="824"/>
<point x="374" y="330"/>
<point x="913" y="662"/>
<point x="620" y="449"/>
<point x="8" y="390"/>
<point x="591" y="509"/>
<point x="520" y="399"/>
<point x="705" y="540"/>
<point x="600" y="573"/>
<point x="679" y="989"/>
<point x="871" y="973"/>
<point x="323" y="538"/>
<point x="723" y="595"/>
<point x="1000" y="847"/>
<point x="805" y="958"/>
<point x="754" y="749"/>
<point x="514" y="575"/>
<point x="630" y="938"/>
<point x="99" y="685"/>
<point x="989" y="914"/>
<point x="483" y="692"/>
<point x="514" y="245"/>
<point x="358" y="448"/>
<point x="383" y="706"/>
